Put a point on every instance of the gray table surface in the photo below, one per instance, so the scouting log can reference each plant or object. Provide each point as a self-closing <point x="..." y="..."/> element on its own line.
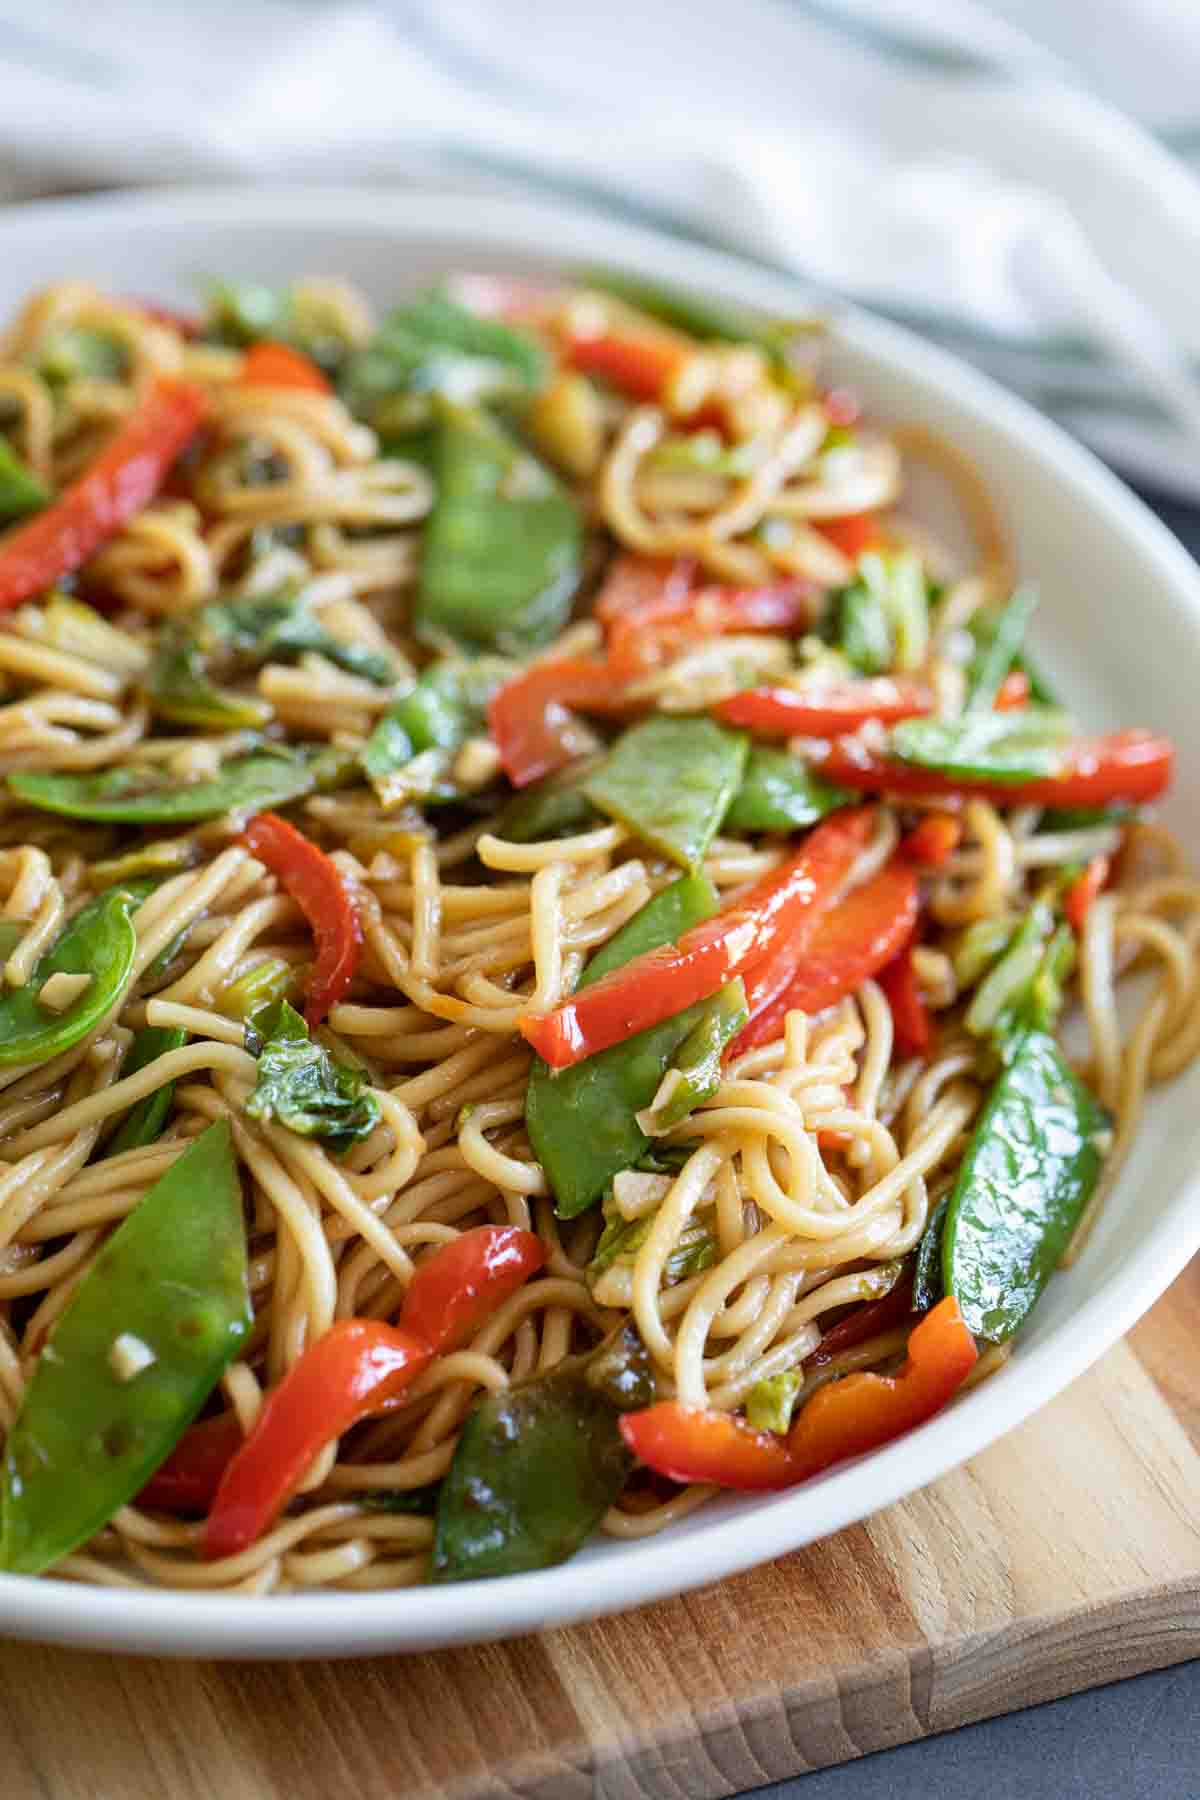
<point x="1133" y="1740"/>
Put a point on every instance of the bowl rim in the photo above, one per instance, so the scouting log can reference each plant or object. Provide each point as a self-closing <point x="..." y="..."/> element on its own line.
<point x="185" y="1623"/>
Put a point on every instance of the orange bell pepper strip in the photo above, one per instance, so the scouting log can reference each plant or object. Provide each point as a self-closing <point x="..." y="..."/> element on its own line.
<point x="863" y="1411"/>
<point x="316" y="885"/>
<point x="663" y="982"/>
<point x="933" y="842"/>
<point x="122" y="479"/>
<point x="1013" y="692"/>
<point x="458" y="1287"/>
<point x="697" y="1443"/>
<point x="845" y="1418"/>
<point x="1083" y="890"/>
<point x="359" y="1367"/>
<point x="825" y="711"/>
<point x="852" y="534"/>
<point x="663" y="627"/>
<point x="1133" y="765"/>
<point x="912" y="1028"/>
<point x="641" y="367"/>
<point x="270" y="364"/>
<point x="844" y="946"/>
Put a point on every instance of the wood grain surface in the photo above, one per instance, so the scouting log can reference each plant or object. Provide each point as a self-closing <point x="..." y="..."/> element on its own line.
<point x="1065" y="1556"/>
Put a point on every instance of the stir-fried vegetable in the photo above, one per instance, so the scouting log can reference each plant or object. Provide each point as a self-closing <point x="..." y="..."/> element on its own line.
<point x="20" y="490"/>
<point x="126" y="474"/>
<point x="145" y="1122"/>
<point x="432" y="346"/>
<point x="1128" y="765"/>
<point x="661" y="983"/>
<point x="303" y="1087"/>
<point x="842" y="1419"/>
<point x="700" y="315"/>
<point x="162" y="1311"/>
<point x="357" y="1368"/>
<point x="446" y="706"/>
<point x="97" y="947"/>
<point x="316" y="885"/>
<point x="882" y="618"/>
<point x="1033" y="1160"/>
<point x="779" y="792"/>
<point x="835" y="951"/>
<point x="271" y="364"/>
<point x="583" y="1122"/>
<point x="502" y="545"/>
<point x="148" y="794"/>
<point x="995" y="658"/>
<point x="824" y="710"/>
<point x="671" y="780"/>
<point x="538" y="1466"/>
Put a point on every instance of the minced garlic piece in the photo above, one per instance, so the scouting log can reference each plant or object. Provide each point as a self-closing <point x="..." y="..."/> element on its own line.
<point x="60" y="991"/>
<point x="128" y="1356"/>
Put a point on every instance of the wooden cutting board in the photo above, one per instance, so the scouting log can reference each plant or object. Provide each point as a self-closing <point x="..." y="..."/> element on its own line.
<point x="1065" y="1556"/>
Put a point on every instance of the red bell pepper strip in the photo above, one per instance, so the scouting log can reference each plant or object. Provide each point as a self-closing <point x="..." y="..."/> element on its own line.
<point x="1127" y="765"/>
<point x="1013" y="692"/>
<point x="357" y="1368"/>
<point x="845" y="1418"/>
<point x="864" y="1322"/>
<point x="825" y="711"/>
<point x="933" y="842"/>
<point x="314" y="883"/>
<point x="696" y="1443"/>
<point x="641" y="367"/>
<point x="1083" y="890"/>
<point x="270" y="364"/>
<point x="188" y="1481"/>
<point x="663" y="982"/>
<point x="637" y="586"/>
<point x="529" y="717"/>
<point x="461" y="1284"/>
<point x="846" y="944"/>
<point x="912" y="1028"/>
<point x="863" y="1411"/>
<point x="122" y="479"/>
<point x="852" y="534"/>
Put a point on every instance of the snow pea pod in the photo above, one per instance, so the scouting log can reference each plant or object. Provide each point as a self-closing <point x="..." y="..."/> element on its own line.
<point x="927" y="1287"/>
<point x="1017" y="747"/>
<point x="20" y="490"/>
<point x="555" y="807"/>
<point x="780" y="793"/>
<point x="538" y="1466"/>
<point x="671" y="780"/>
<point x="432" y="345"/>
<point x="701" y="316"/>
<point x="147" y="794"/>
<point x="100" y="943"/>
<point x="143" y="1123"/>
<point x="1032" y="1162"/>
<point x="502" y="545"/>
<point x="582" y="1122"/>
<point x="999" y="650"/>
<point x="161" y="1312"/>
<point x="445" y="706"/>
<point x="696" y="1065"/>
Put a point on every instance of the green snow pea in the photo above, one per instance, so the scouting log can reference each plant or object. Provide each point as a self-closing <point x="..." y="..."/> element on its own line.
<point x="1032" y="1162"/>
<point x="144" y="1122"/>
<point x="147" y="794"/>
<point x="100" y="943"/>
<point x="927" y="1273"/>
<point x="671" y="780"/>
<point x="433" y="346"/>
<point x="987" y="746"/>
<point x="79" y="352"/>
<point x="168" y="1292"/>
<point x="446" y="705"/>
<point x="780" y="793"/>
<point x="503" y="543"/>
<point x="582" y="1122"/>
<point x="999" y="649"/>
<point x="538" y="1466"/>
<point x="20" y="490"/>
<point x="696" y="1064"/>
<point x="722" y="321"/>
<point x="555" y="807"/>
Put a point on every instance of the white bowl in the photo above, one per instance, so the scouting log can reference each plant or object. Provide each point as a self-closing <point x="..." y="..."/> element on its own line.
<point x="1120" y="626"/>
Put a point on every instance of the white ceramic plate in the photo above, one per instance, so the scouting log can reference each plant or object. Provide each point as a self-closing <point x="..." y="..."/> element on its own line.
<point x="1120" y="626"/>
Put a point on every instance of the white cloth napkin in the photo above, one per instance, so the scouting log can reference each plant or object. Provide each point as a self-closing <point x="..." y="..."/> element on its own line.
<point x="1029" y="203"/>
